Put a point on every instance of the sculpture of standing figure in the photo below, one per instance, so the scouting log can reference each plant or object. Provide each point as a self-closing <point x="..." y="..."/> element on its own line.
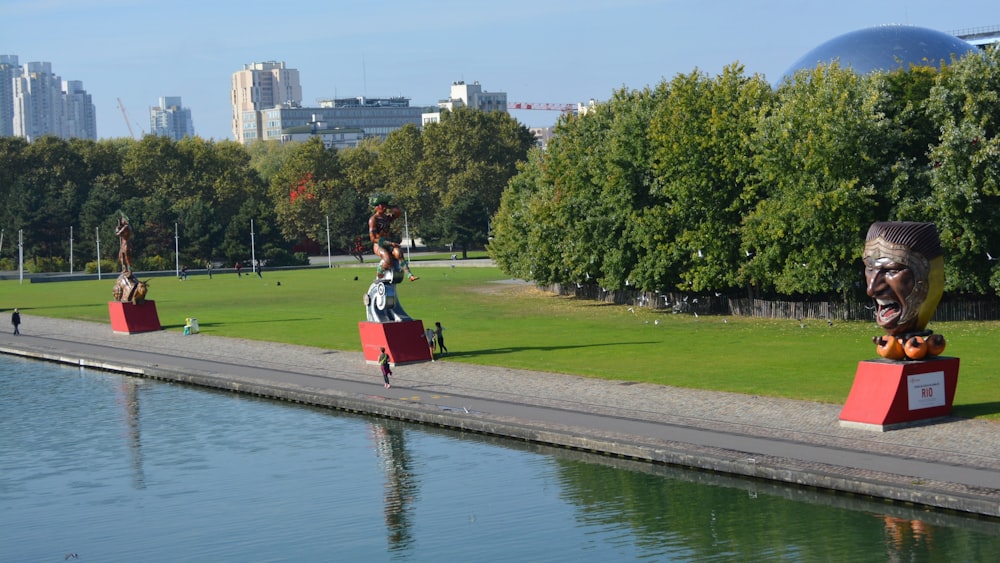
<point x="391" y="256"/>
<point x="124" y="233"/>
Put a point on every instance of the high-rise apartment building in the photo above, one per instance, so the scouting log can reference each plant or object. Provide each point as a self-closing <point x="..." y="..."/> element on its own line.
<point x="261" y="86"/>
<point x="9" y="70"/>
<point x="79" y="115"/>
<point x="171" y="119"/>
<point x="44" y="104"/>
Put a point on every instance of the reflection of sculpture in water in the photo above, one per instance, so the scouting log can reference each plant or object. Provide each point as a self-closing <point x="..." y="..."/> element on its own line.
<point x="904" y="274"/>
<point x="400" y="489"/>
<point x="379" y="225"/>
<point x="124" y="233"/>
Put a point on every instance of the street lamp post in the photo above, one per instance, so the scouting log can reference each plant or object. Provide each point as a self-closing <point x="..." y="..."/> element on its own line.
<point x="98" y="239"/>
<point x="253" y="247"/>
<point x="329" y="251"/>
<point x="20" y="255"/>
<point x="177" y="255"/>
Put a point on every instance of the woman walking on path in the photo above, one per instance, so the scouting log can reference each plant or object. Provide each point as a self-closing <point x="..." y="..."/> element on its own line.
<point x="383" y="361"/>
<point x="15" y="319"/>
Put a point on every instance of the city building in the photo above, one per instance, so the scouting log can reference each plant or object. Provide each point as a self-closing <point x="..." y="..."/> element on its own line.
<point x="466" y="96"/>
<point x="332" y="137"/>
<point x="9" y="70"/>
<point x="171" y="119"/>
<point x="981" y="37"/>
<point x="473" y="96"/>
<point x="374" y="117"/>
<point x="79" y="114"/>
<point x="258" y="87"/>
<point x="45" y="104"/>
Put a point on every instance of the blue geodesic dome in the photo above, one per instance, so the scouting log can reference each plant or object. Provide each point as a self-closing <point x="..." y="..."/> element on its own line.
<point x="885" y="47"/>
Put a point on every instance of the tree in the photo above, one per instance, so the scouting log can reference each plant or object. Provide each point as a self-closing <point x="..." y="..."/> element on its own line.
<point x="821" y="162"/>
<point x="46" y="198"/>
<point x="965" y="174"/>
<point x="468" y="159"/>
<point x="703" y="148"/>
<point x="299" y="190"/>
<point x="399" y="158"/>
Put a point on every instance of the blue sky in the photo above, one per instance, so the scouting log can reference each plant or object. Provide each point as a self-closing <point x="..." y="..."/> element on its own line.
<point x="543" y="51"/>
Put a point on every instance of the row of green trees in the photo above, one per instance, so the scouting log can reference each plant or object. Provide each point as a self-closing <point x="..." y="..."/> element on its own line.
<point x="203" y="195"/>
<point x="723" y="183"/>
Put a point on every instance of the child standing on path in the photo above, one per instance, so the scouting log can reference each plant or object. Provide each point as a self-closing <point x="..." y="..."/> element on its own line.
<point x="383" y="361"/>
<point x="440" y="338"/>
<point x="15" y="319"/>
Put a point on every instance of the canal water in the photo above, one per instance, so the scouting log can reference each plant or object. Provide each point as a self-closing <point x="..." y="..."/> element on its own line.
<point x="103" y="467"/>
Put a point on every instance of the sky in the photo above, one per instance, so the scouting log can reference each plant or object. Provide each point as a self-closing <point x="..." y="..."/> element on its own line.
<point x="539" y="51"/>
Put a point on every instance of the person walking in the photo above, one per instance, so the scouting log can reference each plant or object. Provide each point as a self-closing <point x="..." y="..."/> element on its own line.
<point x="383" y="362"/>
<point x="260" y="269"/>
<point x="15" y="319"/>
<point x="238" y="266"/>
<point x="429" y="335"/>
<point x="439" y="333"/>
<point x="208" y="266"/>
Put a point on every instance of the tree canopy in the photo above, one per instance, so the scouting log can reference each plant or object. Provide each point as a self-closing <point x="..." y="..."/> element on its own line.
<point x="724" y="183"/>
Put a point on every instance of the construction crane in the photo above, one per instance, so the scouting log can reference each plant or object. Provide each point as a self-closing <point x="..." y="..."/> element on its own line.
<point x="128" y="123"/>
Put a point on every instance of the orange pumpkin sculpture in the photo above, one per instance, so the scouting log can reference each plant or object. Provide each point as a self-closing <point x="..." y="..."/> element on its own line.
<point x="935" y="345"/>
<point x="889" y="347"/>
<point x="915" y="347"/>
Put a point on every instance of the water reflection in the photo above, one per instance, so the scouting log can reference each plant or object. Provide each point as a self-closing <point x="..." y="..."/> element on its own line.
<point x="905" y="537"/>
<point x="212" y="476"/>
<point x="128" y="399"/>
<point x="400" y="490"/>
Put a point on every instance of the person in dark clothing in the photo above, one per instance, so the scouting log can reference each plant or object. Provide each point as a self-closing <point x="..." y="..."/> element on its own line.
<point x="439" y="335"/>
<point x="15" y="319"/>
<point x="383" y="361"/>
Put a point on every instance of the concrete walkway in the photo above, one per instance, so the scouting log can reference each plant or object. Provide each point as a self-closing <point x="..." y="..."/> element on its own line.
<point x="954" y="464"/>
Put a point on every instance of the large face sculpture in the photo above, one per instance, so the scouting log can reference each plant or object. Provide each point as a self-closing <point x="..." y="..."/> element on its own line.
<point x="904" y="271"/>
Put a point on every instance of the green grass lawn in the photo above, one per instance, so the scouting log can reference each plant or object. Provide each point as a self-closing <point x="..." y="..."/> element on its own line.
<point x="491" y="320"/>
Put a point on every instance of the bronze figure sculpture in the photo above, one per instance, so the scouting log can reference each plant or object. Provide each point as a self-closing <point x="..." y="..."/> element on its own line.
<point x="127" y="288"/>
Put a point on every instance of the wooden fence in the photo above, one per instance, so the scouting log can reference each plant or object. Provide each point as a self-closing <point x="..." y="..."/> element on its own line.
<point x="715" y="304"/>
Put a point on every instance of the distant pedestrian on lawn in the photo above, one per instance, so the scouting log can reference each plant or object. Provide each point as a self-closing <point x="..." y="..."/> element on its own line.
<point x="439" y="333"/>
<point x="383" y="361"/>
<point x="238" y="267"/>
<point x="260" y="269"/>
<point x="208" y="266"/>
<point x="429" y="335"/>
<point x="15" y="319"/>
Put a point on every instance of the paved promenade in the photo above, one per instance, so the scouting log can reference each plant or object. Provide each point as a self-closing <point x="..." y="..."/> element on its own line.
<point x="953" y="464"/>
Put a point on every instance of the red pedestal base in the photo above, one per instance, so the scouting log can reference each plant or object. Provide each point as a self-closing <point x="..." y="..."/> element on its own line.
<point x="132" y="317"/>
<point x="888" y="394"/>
<point x="403" y="341"/>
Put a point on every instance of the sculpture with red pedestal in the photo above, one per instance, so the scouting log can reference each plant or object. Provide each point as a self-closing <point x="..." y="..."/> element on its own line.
<point x="388" y="326"/>
<point x="130" y="318"/>
<point x="904" y="275"/>
<point x="889" y="394"/>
